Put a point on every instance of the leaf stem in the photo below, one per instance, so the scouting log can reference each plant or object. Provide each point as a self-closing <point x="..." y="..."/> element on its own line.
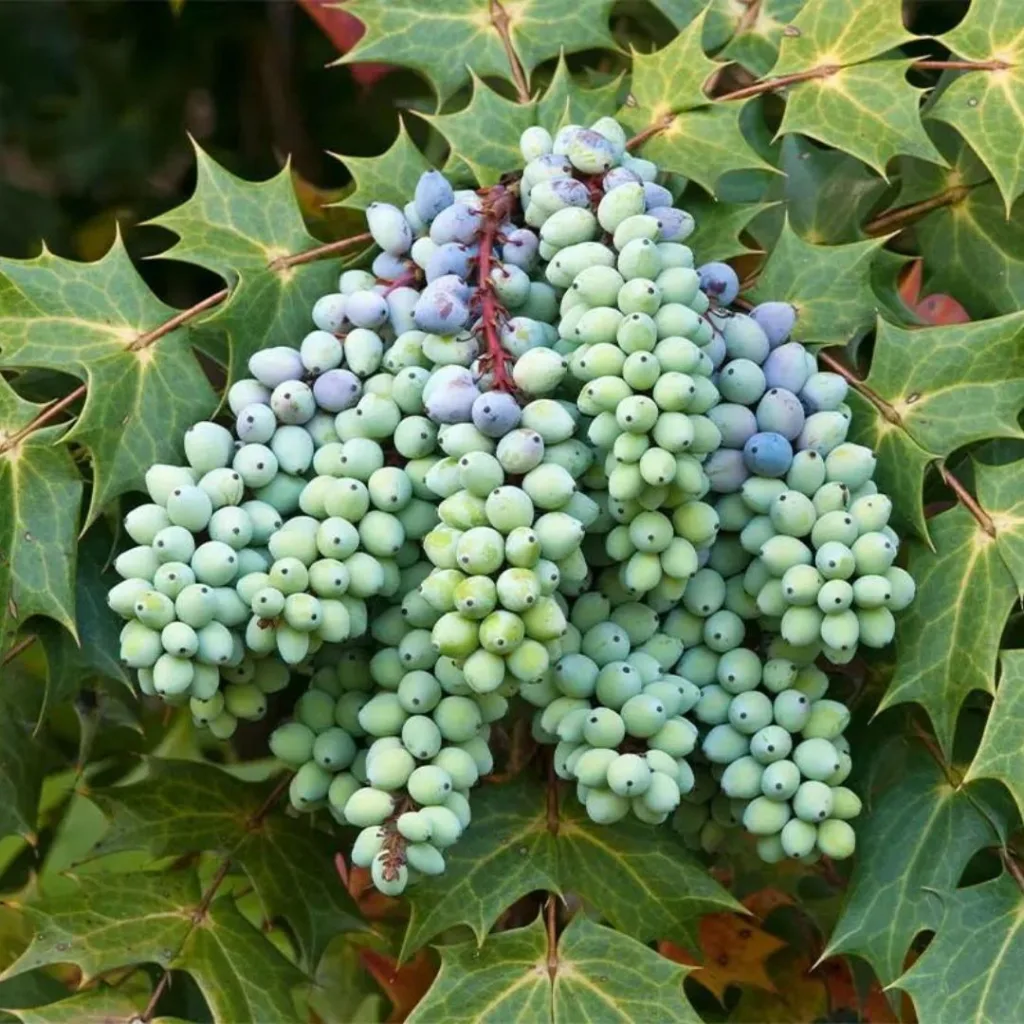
<point x="887" y="411"/>
<point x="147" y="339"/>
<point x="197" y="915"/>
<point x="501" y="22"/>
<point x="966" y="499"/>
<point x="747" y="20"/>
<point x="319" y="252"/>
<point x="824" y="71"/>
<point x="18" y="648"/>
<point x="53" y="410"/>
<point x="552" y="815"/>
<point x="896" y="220"/>
<point x="1014" y="869"/>
<point x="551" y="922"/>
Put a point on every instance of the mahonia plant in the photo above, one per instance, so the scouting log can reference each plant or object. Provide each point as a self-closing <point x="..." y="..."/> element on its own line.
<point x="544" y="566"/>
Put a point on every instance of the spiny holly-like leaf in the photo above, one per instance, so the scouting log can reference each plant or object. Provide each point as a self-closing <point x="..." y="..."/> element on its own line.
<point x="21" y="754"/>
<point x="756" y="45"/>
<point x="827" y="195"/>
<point x="70" y="664"/>
<point x="830" y="286"/>
<point x="946" y="387"/>
<point x="111" y="921"/>
<point x="120" y="920"/>
<point x="388" y="178"/>
<point x="238" y="229"/>
<point x="719" y="226"/>
<point x="699" y="140"/>
<point x="484" y="135"/>
<point x="949" y="637"/>
<point x="985" y="106"/>
<point x="186" y="806"/>
<point x="700" y="144"/>
<point x="87" y="319"/>
<point x="913" y="843"/>
<point x="972" y="969"/>
<point x="840" y="32"/>
<point x="240" y="973"/>
<point x="639" y="878"/>
<point x="672" y="78"/>
<point x="598" y="975"/>
<point x="869" y="110"/>
<point x="40" y="498"/>
<point x="104" y="1005"/>
<point x="680" y="12"/>
<point x="971" y="249"/>
<point x="567" y="100"/>
<point x="443" y="41"/>
<point x="998" y="755"/>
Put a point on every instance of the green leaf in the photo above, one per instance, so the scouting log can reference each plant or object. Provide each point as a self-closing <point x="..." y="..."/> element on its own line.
<point x="998" y="755"/>
<point x="700" y="140"/>
<point x="447" y="42"/>
<point x="186" y="806"/>
<point x="830" y="286"/>
<point x="70" y="664"/>
<point x="985" y="106"/>
<point x="680" y="12"/>
<point x="237" y="229"/>
<point x="120" y="920"/>
<point x="484" y="135"/>
<point x="756" y="45"/>
<point x="970" y="248"/>
<point x="719" y="227"/>
<point x="869" y="110"/>
<point x="972" y="969"/>
<point x="914" y="842"/>
<point x="840" y="32"/>
<point x="83" y="319"/>
<point x="949" y="637"/>
<point x="21" y="755"/>
<point x="568" y="101"/>
<point x="701" y="144"/>
<point x="103" y="1005"/>
<point x="946" y="387"/>
<point x="40" y="498"/>
<point x="672" y="79"/>
<point x="388" y="178"/>
<point x="111" y="921"/>
<point x="594" y="974"/>
<point x="639" y="878"/>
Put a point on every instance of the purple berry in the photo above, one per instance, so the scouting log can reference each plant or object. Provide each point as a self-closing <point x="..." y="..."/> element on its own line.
<point x="786" y="367"/>
<point x="273" y="366"/>
<point x="719" y="281"/>
<point x="780" y="411"/>
<point x="433" y="194"/>
<point x="336" y="390"/>
<point x="776" y="320"/>
<point x="496" y="413"/>
<point x="768" y="454"/>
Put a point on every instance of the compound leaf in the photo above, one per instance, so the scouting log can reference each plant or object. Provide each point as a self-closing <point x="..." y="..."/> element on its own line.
<point x="184" y="807"/>
<point x="40" y="498"/>
<point x="595" y="974"/>
<point x="484" y="135"/>
<point x="985" y="106"/>
<point x="840" y="32"/>
<point x="91" y="320"/>
<point x="949" y="637"/>
<point x="972" y="969"/>
<point x="444" y="41"/>
<point x="639" y="878"/>
<point x="868" y="110"/>
<point x="998" y="755"/>
<point x="388" y="178"/>
<point x="830" y="286"/>
<point x="946" y="387"/>
<point x="719" y="228"/>
<point x="240" y="230"/>
<point x="913" y="843"/>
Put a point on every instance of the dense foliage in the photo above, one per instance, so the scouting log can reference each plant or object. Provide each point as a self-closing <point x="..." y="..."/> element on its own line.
<point x="197" y="892"/>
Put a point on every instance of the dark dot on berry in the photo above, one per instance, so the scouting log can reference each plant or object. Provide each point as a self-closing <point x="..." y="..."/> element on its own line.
<point x="771" y="748"/>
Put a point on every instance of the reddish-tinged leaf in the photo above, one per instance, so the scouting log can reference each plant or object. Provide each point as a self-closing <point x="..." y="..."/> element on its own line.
<point x="405" y="986"/>
<point x="845" y="994"/>
<point x="764" y="901"/>
<point x="733" y="952"/>
<point x="344" y="31"/>
<point x="934" y="309"/>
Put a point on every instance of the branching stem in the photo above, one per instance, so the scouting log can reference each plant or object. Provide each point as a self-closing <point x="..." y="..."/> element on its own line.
<point x="896" y="220"/>
<point x="496" y="202"/>
<point x="966" y="499"/>
<point x="53" y="410"/>
<point x="766" y="85"/>
<point x="18" y="648"/>
<point x="887" y="411"/>
<point x="551" y="922"/>
<point x="147" y="339"/>
<point x="501" y="22"/>
<point x="319" y="252"/>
